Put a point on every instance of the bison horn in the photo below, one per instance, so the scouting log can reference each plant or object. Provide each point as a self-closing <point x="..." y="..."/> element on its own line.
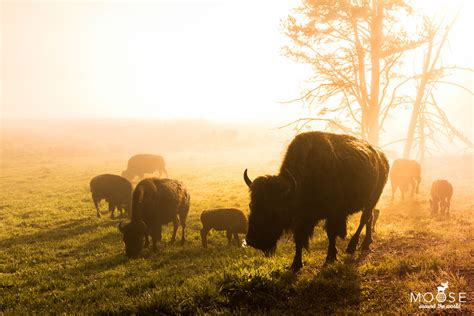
<point x="293" y="181"/>
<point x="247" y="179"/>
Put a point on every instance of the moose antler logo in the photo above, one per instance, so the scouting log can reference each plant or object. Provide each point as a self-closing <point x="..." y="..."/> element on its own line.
<point x="443" y="287"/>
<point x="441" y="296"/>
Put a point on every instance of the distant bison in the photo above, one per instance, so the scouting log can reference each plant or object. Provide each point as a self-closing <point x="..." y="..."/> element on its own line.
<point x="141" y="164"/>
<point x="155" y="202"/>
<point x="116" y="190"/>
<point x="232" y="220"/>
<point x="323" y="176"/>
<point x="441" y="194"/>
<point x="403" y="173"/>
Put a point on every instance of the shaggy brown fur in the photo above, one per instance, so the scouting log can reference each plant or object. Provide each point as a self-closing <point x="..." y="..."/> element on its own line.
<point x="141" y="164"/>
<point x="324" y="176"/>
<point x="232" y="220"/>
<point x="116" y="190"/>
<point x="441" y="194"/>
<point x="403" y="173"/>
<point x="156" y="202"/>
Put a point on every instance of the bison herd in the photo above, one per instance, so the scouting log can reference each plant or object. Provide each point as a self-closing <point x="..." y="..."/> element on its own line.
<point x="323" y="176"/>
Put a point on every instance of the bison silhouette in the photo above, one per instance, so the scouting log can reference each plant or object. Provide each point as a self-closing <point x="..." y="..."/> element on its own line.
<point x="141" y="164"/>
<point x="441" y="194"/>
<point x="155" y="202"/>
<point x="405" y="173"/>
<point x="116" y="190"/>
<point x="323" y="176"/>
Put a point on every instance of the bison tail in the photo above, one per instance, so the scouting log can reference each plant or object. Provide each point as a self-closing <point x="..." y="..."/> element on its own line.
<point x="138" y="195"/>
<point x="142" y="192"/>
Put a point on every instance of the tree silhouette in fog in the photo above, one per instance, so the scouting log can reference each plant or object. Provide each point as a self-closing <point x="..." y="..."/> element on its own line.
<point x="428" y="120"/>
<point x="355" y="49"/>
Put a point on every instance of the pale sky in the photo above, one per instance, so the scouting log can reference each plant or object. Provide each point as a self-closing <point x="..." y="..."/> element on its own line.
<point x="219" y="60"/>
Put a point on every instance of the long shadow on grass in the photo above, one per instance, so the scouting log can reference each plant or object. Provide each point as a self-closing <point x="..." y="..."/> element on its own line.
<point x="67" y="230"/>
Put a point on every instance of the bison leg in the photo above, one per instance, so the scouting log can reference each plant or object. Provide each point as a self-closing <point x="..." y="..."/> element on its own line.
<point x="366" y="214"/>
<point x="111" y="209"/>
<point x="297" y="261"/>
<point x="183" y="233"/>
<point x="155" y="238"/>
<point x="204" y="232"/>
<point x="301" y="233"/>
<point x="375" y="217"/>
<point x="96" y="203"/>
<point x="175" y="229"/>
<point x="154" y="242"/>
<point x="229" y="237"/>
<point x="147" y="241"/>
<point x="394" y="189"/>
<point x="413" y="184"/>
<point x="331" y="231"/>
<point x="237" y="239"/>
<point x="368" y="233"/>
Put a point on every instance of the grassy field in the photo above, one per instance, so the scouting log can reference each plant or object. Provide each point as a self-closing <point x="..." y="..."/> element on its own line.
<point x="56" y="256"/>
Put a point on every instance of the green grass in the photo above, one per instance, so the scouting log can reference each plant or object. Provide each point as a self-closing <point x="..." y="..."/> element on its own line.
<point x="56" y="256"/>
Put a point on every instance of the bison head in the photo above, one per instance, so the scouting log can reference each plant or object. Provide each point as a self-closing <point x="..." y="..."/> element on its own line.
<point x="133" y="237"/>
<point x="270" y="198"/>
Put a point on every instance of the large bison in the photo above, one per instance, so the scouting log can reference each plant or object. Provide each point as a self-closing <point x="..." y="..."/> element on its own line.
<point x="403" y="173"/>
<point x="323" y="176"/>
<point x="155" y="202"/>
<point x="141" y="164"/>
<point x="116" y="190"/>
<point x="232" y="220"/>
<point x="441" y="194"/>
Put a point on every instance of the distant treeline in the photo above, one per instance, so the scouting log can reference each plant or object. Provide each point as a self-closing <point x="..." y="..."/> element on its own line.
<point x="85" y="137"/>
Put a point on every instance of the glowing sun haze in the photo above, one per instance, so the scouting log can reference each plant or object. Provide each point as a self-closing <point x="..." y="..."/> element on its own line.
<point x="161" y="59"/>
<point x="218" y="60"/>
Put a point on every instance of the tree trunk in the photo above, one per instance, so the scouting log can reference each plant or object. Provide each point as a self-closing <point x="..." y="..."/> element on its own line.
<point x="376" y="36"/>
<point x="415" y="113"/>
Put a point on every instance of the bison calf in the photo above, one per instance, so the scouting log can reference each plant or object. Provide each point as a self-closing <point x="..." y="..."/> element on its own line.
<point x="441" y="193"/>
<point x="232" y="220"/>
<point x="116" y="190"/>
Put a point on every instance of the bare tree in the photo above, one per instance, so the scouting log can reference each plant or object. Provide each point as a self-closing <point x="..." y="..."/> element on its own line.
<point x="354" y="48"/>
<point x="427" y="117"/>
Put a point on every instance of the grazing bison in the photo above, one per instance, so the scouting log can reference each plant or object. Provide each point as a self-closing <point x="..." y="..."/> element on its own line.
<point x="441" y="193"/>
<point x="116" y="190"/>
<point x="138" y="165"/>
<point x="323" y="176"/>
<point x="232" y="220"/>
<point x="155" y="202"/>
<point x="405" y="172"/>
